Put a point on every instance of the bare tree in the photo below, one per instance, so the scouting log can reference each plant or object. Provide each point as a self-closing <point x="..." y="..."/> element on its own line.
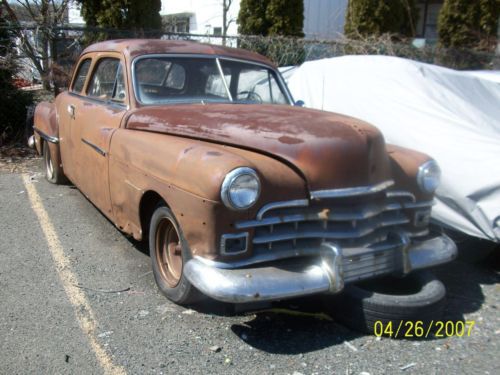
<point x="226" y="21"/>
<point x="37" y="31"/>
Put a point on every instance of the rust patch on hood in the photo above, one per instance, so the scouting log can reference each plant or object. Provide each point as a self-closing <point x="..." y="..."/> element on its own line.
<point x="330" y="150"/>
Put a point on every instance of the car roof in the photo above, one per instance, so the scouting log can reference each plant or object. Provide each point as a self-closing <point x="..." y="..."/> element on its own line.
<point x="136" y="47"/>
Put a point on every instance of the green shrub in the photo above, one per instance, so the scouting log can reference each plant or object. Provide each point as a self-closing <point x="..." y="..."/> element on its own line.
<point x="469" y="24"/>
<point x="378" y="17"/>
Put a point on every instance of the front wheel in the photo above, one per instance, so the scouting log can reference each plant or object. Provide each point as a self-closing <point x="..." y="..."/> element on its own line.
<point x="168" y="250"/>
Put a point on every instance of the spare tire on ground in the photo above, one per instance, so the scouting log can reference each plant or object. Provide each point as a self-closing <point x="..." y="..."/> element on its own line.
<point x="418" y="297"/>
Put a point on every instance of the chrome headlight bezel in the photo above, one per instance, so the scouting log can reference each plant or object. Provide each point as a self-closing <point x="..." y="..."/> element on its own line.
<point x="429" y="176"/>
<point x="228" y="182"/>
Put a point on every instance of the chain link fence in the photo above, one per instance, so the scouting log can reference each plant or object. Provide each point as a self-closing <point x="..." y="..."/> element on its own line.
<point x="68" y="43"/>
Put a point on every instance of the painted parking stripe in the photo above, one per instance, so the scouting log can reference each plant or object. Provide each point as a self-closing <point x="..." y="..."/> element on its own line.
<point x="76" y="296"/>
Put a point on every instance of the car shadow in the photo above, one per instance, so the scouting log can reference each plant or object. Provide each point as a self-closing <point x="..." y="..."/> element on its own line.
<point x="305" y="325"/>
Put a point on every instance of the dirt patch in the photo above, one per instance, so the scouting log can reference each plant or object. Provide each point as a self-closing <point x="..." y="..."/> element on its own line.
<point x="18" y="159"/>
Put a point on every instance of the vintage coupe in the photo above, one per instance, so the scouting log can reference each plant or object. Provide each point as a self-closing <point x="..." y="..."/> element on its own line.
<point x="242" y="195"/>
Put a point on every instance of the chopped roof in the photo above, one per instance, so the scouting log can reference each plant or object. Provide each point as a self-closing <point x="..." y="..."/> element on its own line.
<point x="136" y="47"/>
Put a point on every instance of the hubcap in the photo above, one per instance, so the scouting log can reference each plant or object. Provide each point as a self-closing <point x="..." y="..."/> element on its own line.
<point x="168" y="252"/>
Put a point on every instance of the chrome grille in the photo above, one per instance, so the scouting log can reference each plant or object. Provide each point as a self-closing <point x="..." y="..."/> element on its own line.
<point x="363" y="226"/>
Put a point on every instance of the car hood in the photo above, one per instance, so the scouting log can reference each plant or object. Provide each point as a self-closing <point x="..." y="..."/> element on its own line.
<point x="329" y="150"/>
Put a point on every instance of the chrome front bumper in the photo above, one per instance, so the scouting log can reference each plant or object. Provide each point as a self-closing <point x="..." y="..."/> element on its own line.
<point x="301" y="276"/>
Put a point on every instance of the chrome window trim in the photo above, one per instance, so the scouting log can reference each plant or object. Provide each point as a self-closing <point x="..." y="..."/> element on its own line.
<point x="232" y="236"/>
<point x="46" y="137"/>
<point x="351" y="192"/>
<point x="221" y="72"/>
<point x="280" y="79"/>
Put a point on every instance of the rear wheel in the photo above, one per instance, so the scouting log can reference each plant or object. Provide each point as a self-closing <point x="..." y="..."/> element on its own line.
<point x="53" y="170"/>
<point x="169" y="251"/>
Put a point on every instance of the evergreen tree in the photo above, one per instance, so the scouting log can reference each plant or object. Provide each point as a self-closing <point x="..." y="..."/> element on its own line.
<point x="285" y="17"/>
<point x="122" y="14"/>
<point x="14" y="103"/>
<point x="469" y="24"/>
<point x="377" y="17"/>
<point x="252" y="17"/>
<point x="271" y="17"/>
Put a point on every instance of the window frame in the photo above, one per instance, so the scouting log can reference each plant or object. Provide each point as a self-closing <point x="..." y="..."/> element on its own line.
<point x="94" y="71"/>
<point x="77" y="71"/>
<point x="279" y="79"/>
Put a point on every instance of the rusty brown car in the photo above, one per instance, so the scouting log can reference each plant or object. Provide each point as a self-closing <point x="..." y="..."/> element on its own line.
<point x="242" y="195"/>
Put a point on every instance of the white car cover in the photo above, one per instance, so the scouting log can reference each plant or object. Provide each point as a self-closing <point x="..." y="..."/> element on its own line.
<point x="452" y="116"/>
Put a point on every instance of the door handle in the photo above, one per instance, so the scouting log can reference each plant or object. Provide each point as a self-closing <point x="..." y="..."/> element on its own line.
<point x="71" y="111"/>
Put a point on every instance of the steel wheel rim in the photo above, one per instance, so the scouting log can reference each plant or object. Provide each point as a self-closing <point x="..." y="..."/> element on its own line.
<point x="48" y="164"/>
<point x="168" y="252"/>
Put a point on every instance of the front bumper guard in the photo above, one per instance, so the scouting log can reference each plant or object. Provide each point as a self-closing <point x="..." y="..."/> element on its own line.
<point x="289" y="279"/>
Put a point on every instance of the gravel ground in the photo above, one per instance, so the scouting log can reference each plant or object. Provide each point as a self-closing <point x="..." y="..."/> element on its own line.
<point x="142" y="332"/>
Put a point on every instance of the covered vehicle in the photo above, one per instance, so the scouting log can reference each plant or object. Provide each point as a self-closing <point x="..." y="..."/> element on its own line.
<point x="453" y="116"/>
<point x="242" y="196"/>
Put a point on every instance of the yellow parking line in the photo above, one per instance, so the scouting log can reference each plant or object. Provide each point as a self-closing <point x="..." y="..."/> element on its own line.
<point x="81" y="305"/>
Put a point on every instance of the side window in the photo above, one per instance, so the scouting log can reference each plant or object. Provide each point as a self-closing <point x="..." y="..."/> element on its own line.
<point x="81" y="75"/>
<point x="107" y="81"/>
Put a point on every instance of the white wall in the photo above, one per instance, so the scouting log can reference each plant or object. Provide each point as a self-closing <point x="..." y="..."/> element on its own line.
<point x="206" y="14"/>
<point x="74" y="14"/>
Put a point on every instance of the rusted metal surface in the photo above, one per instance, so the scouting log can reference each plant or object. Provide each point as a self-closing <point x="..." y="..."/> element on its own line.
<point x="329" y="150"/>
<point x="131" y="48"/>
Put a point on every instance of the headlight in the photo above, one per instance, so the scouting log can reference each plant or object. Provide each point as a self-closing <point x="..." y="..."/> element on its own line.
<point x="240" y="188"/>
<point x="429" y="176"/>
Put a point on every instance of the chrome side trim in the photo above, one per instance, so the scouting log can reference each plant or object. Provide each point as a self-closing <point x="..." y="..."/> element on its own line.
<point x="351" y="192"/>
<point x="284" y="204"/>
<point x="47" y="137"/>
<point x="94" y="147"/>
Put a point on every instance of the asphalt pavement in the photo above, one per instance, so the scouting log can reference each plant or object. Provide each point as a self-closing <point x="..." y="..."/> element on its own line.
<point x="78" y="296"/>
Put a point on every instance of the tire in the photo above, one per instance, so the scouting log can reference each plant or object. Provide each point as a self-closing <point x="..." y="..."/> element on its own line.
<point x="53" y="170"/>
<point x="169" y="252"/>
<point x="417" y="297"/>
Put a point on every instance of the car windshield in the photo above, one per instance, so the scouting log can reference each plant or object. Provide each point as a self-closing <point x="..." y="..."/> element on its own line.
<point x="165" y="79"/>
